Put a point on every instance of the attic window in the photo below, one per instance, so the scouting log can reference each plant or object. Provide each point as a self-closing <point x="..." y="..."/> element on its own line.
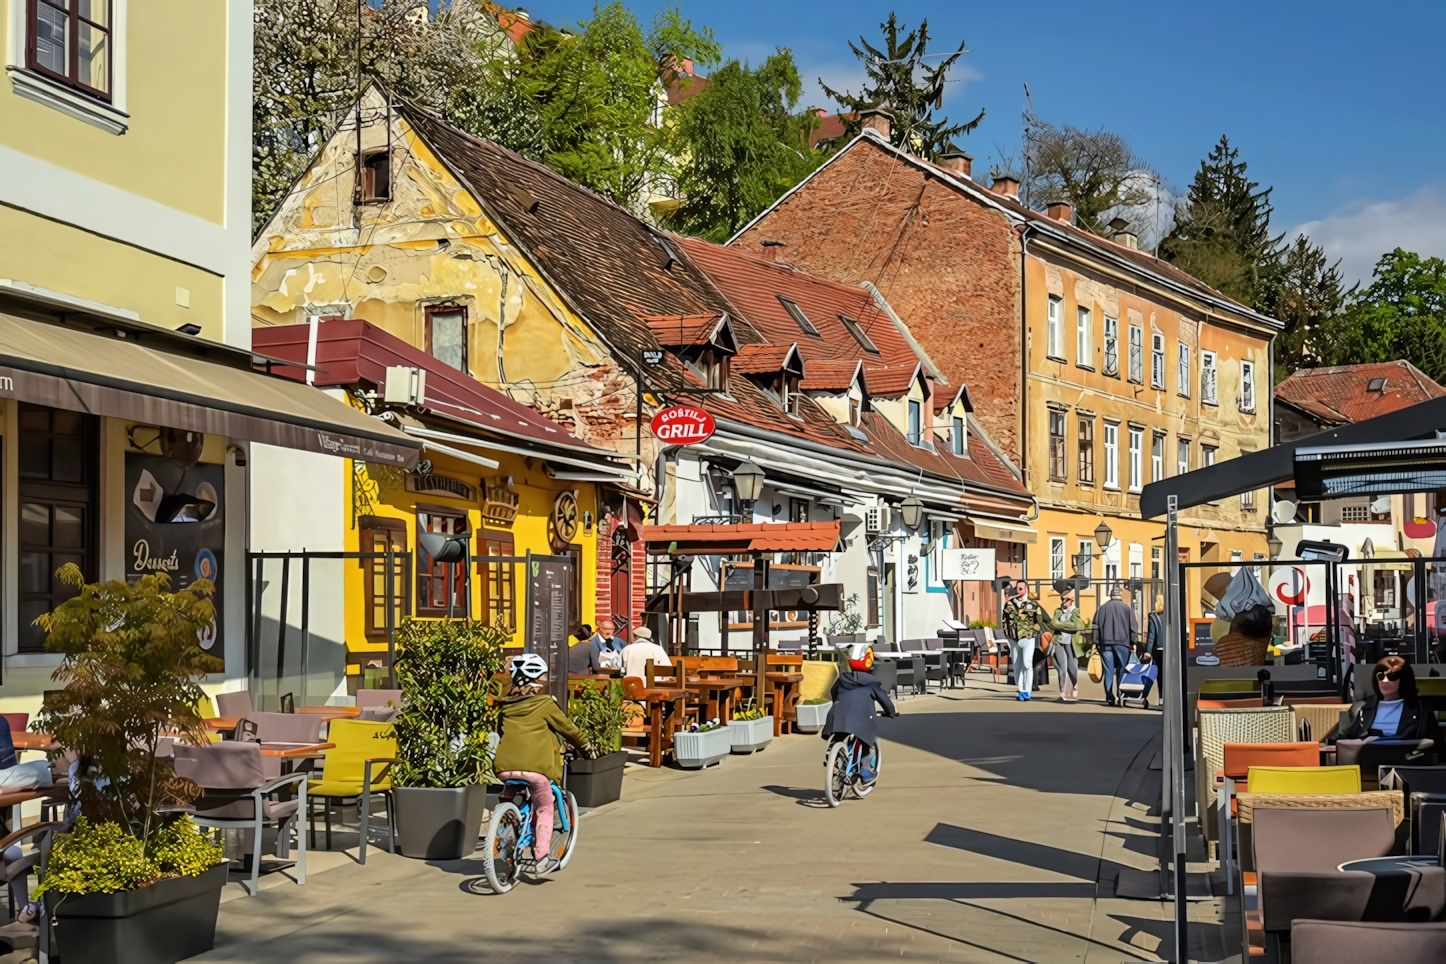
<point x="860" y="336"/>
<point x="1377" y="385"/>
<point x="796" y="313"/>
<point x="376" y="177"/>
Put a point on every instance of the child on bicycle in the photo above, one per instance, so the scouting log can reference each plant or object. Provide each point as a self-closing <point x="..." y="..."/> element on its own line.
<point x="854" y="694"/>
<point x="528" y="750"/>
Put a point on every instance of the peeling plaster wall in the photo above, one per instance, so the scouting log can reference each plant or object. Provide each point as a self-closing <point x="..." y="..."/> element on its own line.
<point x="431" y="244"/>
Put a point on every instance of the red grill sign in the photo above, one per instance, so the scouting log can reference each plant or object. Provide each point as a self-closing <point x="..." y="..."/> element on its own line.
<point x="683" y="425"/>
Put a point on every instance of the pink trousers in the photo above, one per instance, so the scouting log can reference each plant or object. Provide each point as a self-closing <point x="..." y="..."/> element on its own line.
<point x="542" y="808"/>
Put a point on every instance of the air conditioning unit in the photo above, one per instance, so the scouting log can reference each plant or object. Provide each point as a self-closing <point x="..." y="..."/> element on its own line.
<point x="876" y="520"/>
<point x="405" y="386"/>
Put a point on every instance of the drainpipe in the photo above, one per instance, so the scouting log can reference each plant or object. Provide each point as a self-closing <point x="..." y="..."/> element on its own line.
<point x="1024" y="231"/>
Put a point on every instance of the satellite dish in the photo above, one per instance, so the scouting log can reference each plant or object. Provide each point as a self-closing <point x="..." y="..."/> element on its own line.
<point x="1283" y="512"/>
<point x="1382" y="505"/>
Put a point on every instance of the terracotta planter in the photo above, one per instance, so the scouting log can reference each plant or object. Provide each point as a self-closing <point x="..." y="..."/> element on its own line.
<point x="596" y="782"/>
<point x="751" y="735"/>
<point x="439" y="823"/>
<point x="169" y="921"/>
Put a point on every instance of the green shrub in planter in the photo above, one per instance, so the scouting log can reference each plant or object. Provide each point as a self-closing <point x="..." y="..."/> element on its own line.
<point x="597" y="709"/>
<point x="103" y="858"/>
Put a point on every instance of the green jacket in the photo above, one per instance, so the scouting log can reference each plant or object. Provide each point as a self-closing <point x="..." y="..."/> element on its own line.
<point x="529" y="728"/>
<point x="1076" y="627"/>
<point x="1025" y="619"/>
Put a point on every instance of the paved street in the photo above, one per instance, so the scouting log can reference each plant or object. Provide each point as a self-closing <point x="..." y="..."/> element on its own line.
<point x="995" y="835"/>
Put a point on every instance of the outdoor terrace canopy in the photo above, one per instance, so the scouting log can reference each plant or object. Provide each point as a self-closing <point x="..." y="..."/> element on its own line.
<point x="702" y="539"/>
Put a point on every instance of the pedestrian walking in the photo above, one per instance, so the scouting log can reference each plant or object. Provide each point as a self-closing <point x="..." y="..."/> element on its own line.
<point x="1115" y="630"/>
<point x="1024" y="622"/>
<point x="1155" y="641"/>
<point x="1070" y="629"/>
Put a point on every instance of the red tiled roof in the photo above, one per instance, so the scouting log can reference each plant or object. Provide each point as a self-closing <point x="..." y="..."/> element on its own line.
<point x="888" y="380"/>
<point x="980" y="466"/>
<point x="744" y="537"/>
<point x="358" y="353"/>
<point x="684" y="83"/>
<point x="830" y="376"/>
<point x="1341" y="394"/>
<point x="681" y="331"/>
<point x="762" y="359"/>
<point x="829" y="127"/>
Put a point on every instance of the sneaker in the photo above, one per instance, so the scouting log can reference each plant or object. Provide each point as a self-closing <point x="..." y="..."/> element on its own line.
<point x="866" y="775"/>
<point x="1024" y="696"/>
<point x="546" y="865"/>
<point x="28" y="913"/>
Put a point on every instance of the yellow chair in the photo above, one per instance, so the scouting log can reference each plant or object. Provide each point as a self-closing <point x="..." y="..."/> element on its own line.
<point x="1346" y="779"/>
<point x="1431" y="685"/>
<point x="1230" y="686"/>
<point x="206" y="709"/>
<point x="347" y="775"/>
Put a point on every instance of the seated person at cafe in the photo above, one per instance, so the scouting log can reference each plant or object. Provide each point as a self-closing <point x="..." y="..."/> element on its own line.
<point x="19" y="776"/>
<point x="1393" y="711"/>
<point x="605" y="649"/>
<point x="637" y="653"/>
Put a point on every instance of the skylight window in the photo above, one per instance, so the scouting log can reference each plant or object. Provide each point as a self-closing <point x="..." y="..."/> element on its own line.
<point x="1376" y="385"/>
<point x="796" y="313"/>
<point x="860" y="336"/>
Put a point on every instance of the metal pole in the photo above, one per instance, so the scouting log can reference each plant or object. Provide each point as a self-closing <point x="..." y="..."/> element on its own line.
<point x="1174" y="717"/>
<point x="305" y="622"/>
<point x="391" y="620"/>
<point x="281" y="624"/>
<point x="760" y="626"/>
<point x="1422" y="637"/>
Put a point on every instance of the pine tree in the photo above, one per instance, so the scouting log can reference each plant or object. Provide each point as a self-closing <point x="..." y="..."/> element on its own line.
<point x="901" y="82"/>
<point x="1222" y="229"/>
<point x="1307" y="294"/>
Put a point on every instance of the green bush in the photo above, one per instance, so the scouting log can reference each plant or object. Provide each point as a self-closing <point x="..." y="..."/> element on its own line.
<point x="103" y="858"/>
<point x="445" y="670"/>
<point x="817" y="701"/>
<point x="597" y="709"/>
<point x="748" y="711"/>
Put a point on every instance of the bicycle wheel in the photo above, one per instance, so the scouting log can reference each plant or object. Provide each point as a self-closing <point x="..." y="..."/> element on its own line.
<point x="862" y="789"/>
<point x="836" y="773"/>
<point x="503" y="863"/>
<point x="564" y="844"/>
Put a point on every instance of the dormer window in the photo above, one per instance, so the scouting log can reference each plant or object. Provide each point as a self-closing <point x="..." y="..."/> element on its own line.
<point x="856" y="407"/>
<point x="916" y="422"/>
<point x="959" y="440"/>
<point x="860" y="336"/>
<point x="712" y="366"/>
<point x="796" y="313"/>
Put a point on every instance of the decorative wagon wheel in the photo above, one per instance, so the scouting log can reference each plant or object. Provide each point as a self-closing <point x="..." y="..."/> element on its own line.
<point x="564" y="518"/>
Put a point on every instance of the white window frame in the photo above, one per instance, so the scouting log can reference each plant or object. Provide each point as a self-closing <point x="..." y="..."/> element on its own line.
<point x="1209" y="378"/>
<point x="1182" y="448"/>
<point x="1247" y="386"/>
<point x="1112" y="455"/>
<point x="113" y="117"/>
<point x="1137" y="354"/>
<point x="1182" y="370"/>
<point x="1111" y="364"/>
<point x="1207" y="455"/>
<point x="959" y="432"/>
<point x="1137" y="443"/>
<point x="1247" y="502"/>
<point x="1084" y="337"/>
<point x="1157" y="360"/>
<point x="1157" y="456"/>
<point x="1056" y="557"/>
<point x="1054" y="333"/>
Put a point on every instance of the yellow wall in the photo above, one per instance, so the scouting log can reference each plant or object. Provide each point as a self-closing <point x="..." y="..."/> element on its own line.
<point x="174" y="151"/>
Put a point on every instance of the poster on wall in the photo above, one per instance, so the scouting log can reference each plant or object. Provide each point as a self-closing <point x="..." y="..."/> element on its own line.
<point x="966" y="564"/>
<point x="176" y="524"/>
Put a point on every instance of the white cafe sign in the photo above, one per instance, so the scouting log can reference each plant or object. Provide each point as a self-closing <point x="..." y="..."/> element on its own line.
<point x="962" y="564"/>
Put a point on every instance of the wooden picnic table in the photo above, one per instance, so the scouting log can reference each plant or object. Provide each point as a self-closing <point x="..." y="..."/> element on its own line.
<point x="783" y="687"/>
<point x="717" y="693"/>
<point x="329" y="713"/>
<point x="26" y="740"/>
<point x="654" y="698"/>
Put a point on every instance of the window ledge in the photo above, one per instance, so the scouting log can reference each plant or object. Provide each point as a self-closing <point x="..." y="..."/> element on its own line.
<point x="36" y="660"/>
<point x="1210" y="402"/>
<point x="1088" y="368"/>
<point x="1247" y="411"/>
<point x="43" y="90"/>
<point x="1057" y="358"/>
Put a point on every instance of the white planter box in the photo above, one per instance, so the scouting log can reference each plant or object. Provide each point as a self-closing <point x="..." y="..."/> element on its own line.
<point x="811" y="716"/>
<point x="750" y="735"/>
<point x="697" y="750"/>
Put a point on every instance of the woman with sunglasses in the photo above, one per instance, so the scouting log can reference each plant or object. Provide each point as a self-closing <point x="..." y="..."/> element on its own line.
<point x="1393" y="711"/>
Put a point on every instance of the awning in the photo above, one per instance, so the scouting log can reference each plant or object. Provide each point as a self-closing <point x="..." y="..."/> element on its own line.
<point x="1002" y="531"/>
<point x="101" y="374"/>
<point x="716" y="540"/>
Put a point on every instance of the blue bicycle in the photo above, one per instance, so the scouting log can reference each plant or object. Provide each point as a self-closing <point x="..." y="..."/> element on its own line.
<point x="843" y="768"/>
<point x="510" y="836"/>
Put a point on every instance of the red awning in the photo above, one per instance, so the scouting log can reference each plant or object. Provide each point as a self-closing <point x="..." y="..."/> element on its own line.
<point x="717" y="540"/>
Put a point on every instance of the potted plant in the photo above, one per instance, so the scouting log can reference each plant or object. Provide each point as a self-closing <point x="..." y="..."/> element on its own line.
<point x="445" y="670"/>
<point x="133" y="880"/>
<point x="702" y="746"/>
<point x="596" y="706"/>
<point x="812" y="714"/>
<point x="751" y="729"/>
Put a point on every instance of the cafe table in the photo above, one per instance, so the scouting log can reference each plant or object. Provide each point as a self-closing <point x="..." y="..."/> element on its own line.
<point x="1406" y="888"/>
<point x="329" y="713"/>
<point x="717" y="693"/>
<point x="783" y="687"/>
<point x="223" y="724"/>
<point x="26" y="740"/>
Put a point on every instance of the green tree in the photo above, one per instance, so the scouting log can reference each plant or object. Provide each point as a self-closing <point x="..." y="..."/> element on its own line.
<point x="1222" y="229"/>
<point x="1402" y="314"/>
<point x="912" y="90"/>
<point x="1096" y="171"/>
<point x="1307" y="293"/>
<point x="741" y="145"/>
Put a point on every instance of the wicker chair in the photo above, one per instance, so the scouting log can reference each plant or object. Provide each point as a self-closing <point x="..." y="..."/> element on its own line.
<point x="1265" y="724"/>
<point x="1324" y="718"/>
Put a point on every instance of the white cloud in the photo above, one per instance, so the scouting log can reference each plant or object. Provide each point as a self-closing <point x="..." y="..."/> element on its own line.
<point x="1360" y="232"/>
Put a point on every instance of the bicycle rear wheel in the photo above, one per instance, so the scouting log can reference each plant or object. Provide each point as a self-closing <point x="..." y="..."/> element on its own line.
<point x="564" y="843"/>
<point x="836" y="773"/>
<point x="862" y="789"/>
<point x="503" y="861"/>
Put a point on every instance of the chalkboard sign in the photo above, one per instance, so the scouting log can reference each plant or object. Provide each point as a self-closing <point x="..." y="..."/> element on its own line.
<point x="1200" y="634"/>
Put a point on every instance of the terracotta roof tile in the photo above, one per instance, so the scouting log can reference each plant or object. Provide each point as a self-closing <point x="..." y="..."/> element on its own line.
<point x="760" y="359"/>
<point x="830" y="376"/>
<point x="1342" y="394"/>
<point x="679" y="331"/>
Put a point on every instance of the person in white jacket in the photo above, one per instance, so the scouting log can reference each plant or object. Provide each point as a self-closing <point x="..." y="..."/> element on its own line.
<point x="637" y="653"/>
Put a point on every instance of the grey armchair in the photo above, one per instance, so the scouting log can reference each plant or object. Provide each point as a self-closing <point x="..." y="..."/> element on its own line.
<point x="298" y="728"/>
<point x="1342" y="942"/>
<point x="239" y="794"/>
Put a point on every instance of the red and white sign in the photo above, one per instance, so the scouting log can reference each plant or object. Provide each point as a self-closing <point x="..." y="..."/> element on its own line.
<point x="683" y="425"/>
<point x="1290" y="585"/>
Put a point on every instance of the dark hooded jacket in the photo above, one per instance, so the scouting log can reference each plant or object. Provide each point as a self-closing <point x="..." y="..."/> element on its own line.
<point x="528" y="743"/>
<point x="853" y="695"/>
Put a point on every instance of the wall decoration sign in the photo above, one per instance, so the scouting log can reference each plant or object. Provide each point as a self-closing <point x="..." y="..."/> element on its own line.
<point x="965" y="564"/>
<point x="499" y="502"/>
<point x="1289" y="585"/>
<point x="441" y="485"/>
<point x="176" y="524"/>
<point x="683" y="425"/>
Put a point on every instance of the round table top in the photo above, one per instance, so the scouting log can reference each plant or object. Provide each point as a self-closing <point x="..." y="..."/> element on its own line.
<point x="1390" y="865"/>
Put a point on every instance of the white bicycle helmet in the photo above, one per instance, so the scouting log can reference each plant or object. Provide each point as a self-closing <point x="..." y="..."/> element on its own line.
<point x="527" y="668"/>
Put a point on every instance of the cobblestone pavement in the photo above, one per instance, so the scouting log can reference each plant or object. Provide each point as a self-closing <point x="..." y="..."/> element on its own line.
<point x="995" y="834"/>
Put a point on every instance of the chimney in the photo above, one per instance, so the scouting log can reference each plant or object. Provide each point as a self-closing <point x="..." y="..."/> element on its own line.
<point x="1120" y="233"/>
<point x="1060" y="211"/>
<point x="772" y="249"/>
<point x="877" y="119"/>
<point x="960" y="163"/>
<point x="1007" y="185"/>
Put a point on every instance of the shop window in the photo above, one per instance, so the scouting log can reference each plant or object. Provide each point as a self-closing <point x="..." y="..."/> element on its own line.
<point x="57" y="510"/>
<point x="441" y="586"/>
<point x="499" y="581"/>
<point x="377" y="534"/>
<point x="447" y="335"/>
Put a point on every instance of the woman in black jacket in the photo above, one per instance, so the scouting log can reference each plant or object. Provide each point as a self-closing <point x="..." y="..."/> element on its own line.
<point x="1394" y="711"/>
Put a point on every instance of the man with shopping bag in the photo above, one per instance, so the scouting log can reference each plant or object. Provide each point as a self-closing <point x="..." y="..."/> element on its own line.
<point x="1116" y="629"/>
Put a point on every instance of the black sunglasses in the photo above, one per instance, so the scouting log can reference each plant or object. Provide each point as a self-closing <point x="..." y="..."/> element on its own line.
<point x="1386" y="674"/>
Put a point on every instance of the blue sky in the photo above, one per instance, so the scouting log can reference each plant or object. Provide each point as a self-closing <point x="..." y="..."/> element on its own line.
<point x="1339" y="107"/>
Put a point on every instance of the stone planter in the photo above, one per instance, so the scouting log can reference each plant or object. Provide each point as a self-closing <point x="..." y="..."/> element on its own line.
<point x="168" y="921"/>
<point x="751" y="735"/>
<point x="697" y="750"/>
<point x="811" y="716"/>
<point x="439" y="823"/>
<point x="596" y="782"/>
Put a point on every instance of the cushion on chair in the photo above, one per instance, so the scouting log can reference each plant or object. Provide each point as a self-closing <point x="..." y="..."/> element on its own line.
<point x="1342" y="942"/>
<point x="1290" y="895"/>
<point x="1319" y="841"/>
<point x="1318" y="779"/>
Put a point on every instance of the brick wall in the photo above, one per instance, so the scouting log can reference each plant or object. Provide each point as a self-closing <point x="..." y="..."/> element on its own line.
<point x="948" y="265"/>
<point x="605" y="564"/>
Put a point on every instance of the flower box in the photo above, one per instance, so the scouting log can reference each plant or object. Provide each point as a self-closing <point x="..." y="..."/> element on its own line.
<point x="751" y="735"/>
<point x="697" y="750"/>
<point x="811" y="717"/>
<point x="170" y="920"/>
